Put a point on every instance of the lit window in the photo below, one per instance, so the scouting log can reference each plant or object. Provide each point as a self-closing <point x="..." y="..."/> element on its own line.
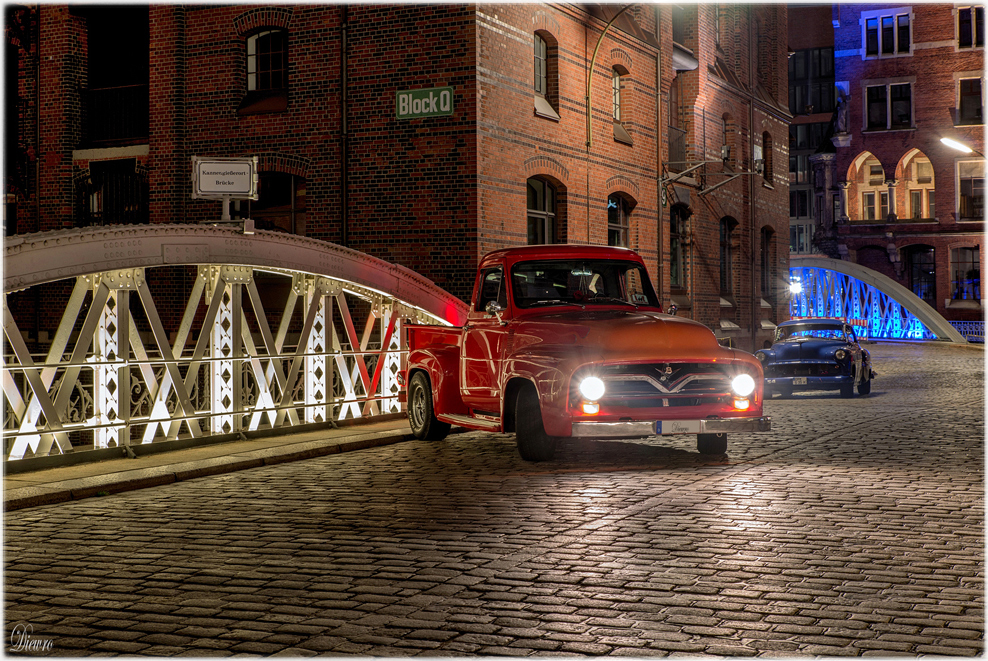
<point x="965" y="274"/>
<point x="922" y="272"/>
<point x="971" y="188"/>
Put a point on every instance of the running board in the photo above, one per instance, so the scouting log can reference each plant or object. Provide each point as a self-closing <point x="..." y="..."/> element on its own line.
<point x="471" y="422"/>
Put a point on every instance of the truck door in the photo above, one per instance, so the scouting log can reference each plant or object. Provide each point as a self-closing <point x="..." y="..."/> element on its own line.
<point x="483" y="342"/>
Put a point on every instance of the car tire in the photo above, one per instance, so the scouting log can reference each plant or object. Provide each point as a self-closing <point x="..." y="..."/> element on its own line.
<point x="533" y="443"/>
<point x="847" y="391"/>
<point x="865" y="386"/>
<point x="711" y="443"/>
<point x="421" y="416"/>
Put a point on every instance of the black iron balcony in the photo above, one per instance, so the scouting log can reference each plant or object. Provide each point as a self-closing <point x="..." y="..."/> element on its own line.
<point x="115" y="116"/>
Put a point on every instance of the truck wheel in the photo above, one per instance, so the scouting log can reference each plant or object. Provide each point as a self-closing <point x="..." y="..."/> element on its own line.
<point x="865" y="386"/>
<point x="421" y="417"/>
<point x="711" y="443"/>
<point x="533" y="443"/>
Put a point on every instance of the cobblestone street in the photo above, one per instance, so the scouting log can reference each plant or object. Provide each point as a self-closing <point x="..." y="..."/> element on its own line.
<point x="855" y="527"/>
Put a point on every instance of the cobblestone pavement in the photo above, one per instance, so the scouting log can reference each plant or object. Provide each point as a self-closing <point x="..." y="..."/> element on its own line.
<point x="854" y="527"/>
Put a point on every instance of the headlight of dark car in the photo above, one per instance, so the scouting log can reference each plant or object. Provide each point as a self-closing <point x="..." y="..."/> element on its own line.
<point x="842" y="355"/>
<point x="760" y="355"/>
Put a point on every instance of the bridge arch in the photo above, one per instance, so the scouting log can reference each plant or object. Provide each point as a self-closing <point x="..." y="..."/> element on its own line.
<point x="112" y="373"/>
<point x="836" y="288"/>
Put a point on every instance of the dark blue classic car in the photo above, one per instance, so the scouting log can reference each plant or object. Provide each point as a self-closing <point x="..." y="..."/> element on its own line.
<point x="816" y="354"/>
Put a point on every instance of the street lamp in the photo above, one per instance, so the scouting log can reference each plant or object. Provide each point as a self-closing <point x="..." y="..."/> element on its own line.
<point x="960" y="146"/>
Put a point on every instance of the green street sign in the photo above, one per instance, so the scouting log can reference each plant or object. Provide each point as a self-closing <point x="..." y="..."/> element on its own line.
<point x="433" y="102"/>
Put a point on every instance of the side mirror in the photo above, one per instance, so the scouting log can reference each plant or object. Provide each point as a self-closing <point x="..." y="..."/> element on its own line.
<point x="494" y="309"/>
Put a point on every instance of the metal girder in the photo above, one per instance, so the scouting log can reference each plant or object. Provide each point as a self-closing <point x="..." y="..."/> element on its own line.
<point x="129" y="378"/>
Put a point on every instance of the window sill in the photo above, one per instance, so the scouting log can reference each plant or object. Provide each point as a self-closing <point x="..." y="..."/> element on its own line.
<point x="970" y="122"/>
<point x="894" y="130"/>
<point x="544" y="109"/>
<point x="259" y="103"/>
<point x="961" y="304"/>
<point x="622" y="135"/>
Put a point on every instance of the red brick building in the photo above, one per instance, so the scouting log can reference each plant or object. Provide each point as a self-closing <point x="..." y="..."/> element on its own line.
<point x="682" y="157"/>
<point x="905" y="204"/>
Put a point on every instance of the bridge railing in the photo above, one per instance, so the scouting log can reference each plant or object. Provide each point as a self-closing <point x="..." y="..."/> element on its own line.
<point x="241" y="349"/>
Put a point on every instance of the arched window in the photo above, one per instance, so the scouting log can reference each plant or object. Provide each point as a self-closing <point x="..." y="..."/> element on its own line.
<point x="267" y="60"/>
<point x="921" y="262"/>
<point x="280" y="203"/>
<point x="766" y="270"/>
<point x="767" y="156"/>
<point x="619" y="105"/>
<point x="545" y="76"/>
<point x="678" y="240"/>
<point x="541" y="212"/>
<point x="267" y="72"/>
<point x="616" y="89"/>
<point x="618" y="220"/>
<point x="727" y="226"/>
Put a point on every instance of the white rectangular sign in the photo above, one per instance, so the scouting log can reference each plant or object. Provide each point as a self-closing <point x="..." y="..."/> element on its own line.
<point x="218" y="177"/>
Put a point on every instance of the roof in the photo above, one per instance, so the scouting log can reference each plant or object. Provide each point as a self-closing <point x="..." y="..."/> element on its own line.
<point x="563" y="251"/>
<point x="823" y="321"/>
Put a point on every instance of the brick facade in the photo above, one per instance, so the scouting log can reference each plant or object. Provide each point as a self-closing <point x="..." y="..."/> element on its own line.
<point x="435" y="194"/>
<point x="909" y="163"/>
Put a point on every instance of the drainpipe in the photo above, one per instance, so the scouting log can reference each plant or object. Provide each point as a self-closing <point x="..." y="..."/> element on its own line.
<point x="658" y="161"/>
<point x="344" y="133"/>
<point x="755" y="300"/>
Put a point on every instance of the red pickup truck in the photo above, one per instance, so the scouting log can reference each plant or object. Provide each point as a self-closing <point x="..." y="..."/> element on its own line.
<point x="571" y="341"/>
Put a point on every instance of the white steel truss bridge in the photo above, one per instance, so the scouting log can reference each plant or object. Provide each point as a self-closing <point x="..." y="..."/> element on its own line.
<point x="879" y="307"/>
<point x="148" y="333"/>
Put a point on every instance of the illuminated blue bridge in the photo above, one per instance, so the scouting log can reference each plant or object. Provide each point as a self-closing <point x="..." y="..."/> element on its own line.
<point x="876" y="305"/>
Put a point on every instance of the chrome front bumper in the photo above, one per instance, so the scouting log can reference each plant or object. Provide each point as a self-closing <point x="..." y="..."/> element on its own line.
<point x="642" y="428"/>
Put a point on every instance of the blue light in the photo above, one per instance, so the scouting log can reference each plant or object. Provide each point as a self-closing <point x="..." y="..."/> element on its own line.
<point x="827" y="293"/>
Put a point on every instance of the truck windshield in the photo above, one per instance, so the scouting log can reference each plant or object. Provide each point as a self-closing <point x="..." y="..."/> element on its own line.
<point x="581" y="282"/>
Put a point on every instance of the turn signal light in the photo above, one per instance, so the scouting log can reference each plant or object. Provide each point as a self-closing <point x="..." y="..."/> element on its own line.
<point x="591" y="408"/>
<point x="741" y="404"/>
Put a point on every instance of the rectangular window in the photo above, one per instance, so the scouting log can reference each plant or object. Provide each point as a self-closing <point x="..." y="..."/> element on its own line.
<point x="971" y="103"/>
<point x="799" y="203"/>
<point x="902" y="106"/>
<point x="871" y="36"/>
<point x="916" y="203"/>
<point x="883" y="199"/>
<point x="971" y="184"/>
<point x="836" y="208"/>
<point x="868" y="206"/>
<point x="924" y="172"/>
<point x="877" y="108"/>
<point x="801" y="239"/>
<point x="965" y="274"/>
<point x="971" y="27"/>
<point x="890" y="106"/>
<point x="931" y="204"/>
<point x="811" y="81"/>
<point x="887" y="35"/>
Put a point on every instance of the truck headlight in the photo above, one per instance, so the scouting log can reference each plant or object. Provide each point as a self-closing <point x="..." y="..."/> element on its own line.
<point x="840" y="354"/>
<point x="592" y="388"/>
<point x="743" y="385"/>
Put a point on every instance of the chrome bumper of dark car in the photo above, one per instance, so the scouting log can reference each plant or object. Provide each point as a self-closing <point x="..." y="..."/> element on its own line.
<point x="642" y="428"/>
<point x="808" y="382"/>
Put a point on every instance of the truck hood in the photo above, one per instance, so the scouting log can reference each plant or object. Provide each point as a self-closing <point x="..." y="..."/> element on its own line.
<point x="619" y="335"/>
